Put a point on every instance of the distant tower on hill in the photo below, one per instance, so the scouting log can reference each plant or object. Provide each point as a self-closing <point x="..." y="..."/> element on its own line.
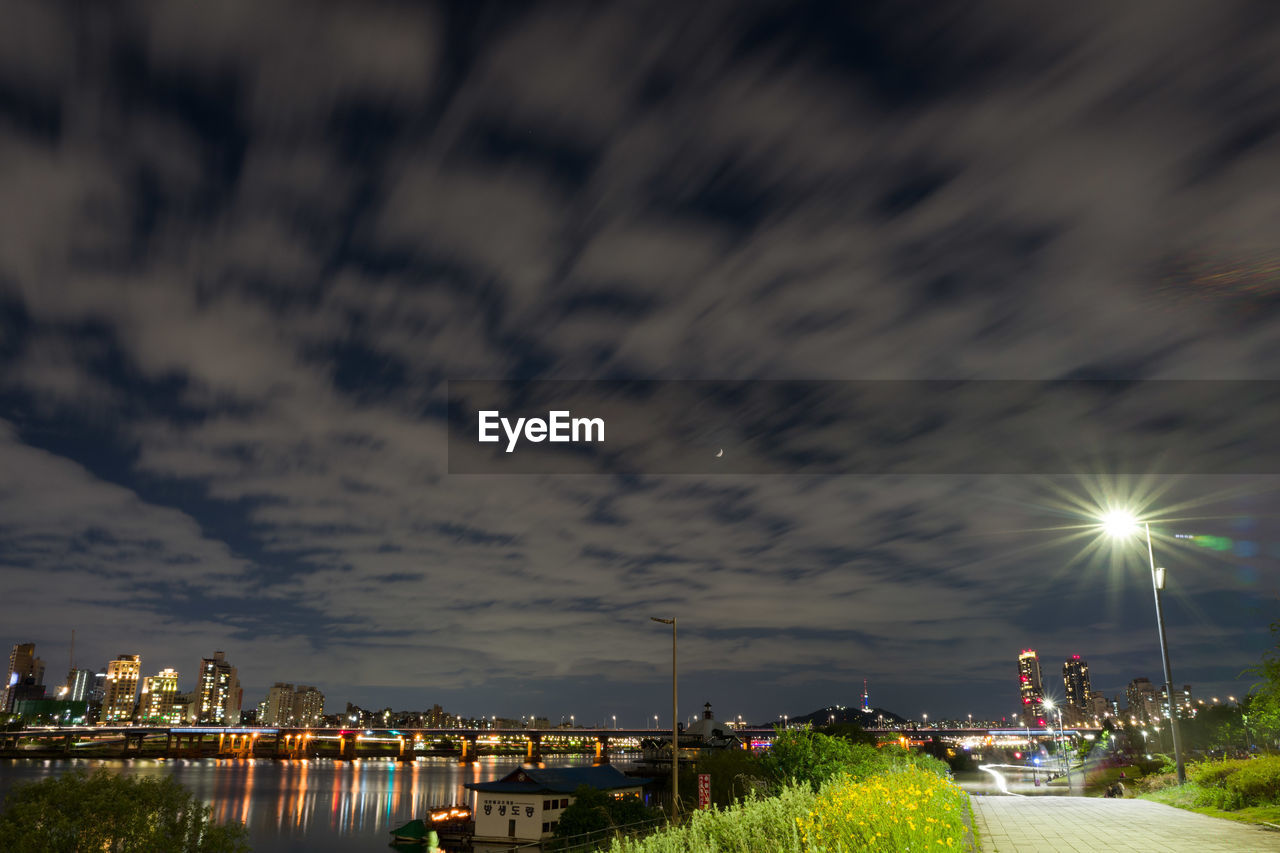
<point x="866" y="697"/>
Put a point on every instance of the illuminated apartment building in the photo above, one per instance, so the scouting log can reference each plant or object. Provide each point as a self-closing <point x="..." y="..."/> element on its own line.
<point x="1030" y="688"/>
<point x="1075" y="678"/>
<point x="157" y="702"/>
<point x="121" y="687"/>
<point x="219" y="692"/>
<point x="308" y="706"/>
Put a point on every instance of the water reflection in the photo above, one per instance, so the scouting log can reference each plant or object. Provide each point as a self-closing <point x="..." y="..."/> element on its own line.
<point x="316" y="805"/>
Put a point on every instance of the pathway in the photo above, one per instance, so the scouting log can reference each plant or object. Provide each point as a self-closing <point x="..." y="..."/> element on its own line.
<point x="1089" y="824"/>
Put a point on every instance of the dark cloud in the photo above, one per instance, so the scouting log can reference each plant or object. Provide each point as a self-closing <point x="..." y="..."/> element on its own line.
<point x="243" y="246"/>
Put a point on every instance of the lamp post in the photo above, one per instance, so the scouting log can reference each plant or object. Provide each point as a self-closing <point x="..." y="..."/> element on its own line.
<point x="1063" y="761"/>
<point x="675" y="721"/>
<point x="1122" y="524"/>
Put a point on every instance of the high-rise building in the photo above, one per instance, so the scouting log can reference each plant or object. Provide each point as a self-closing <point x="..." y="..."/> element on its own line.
<point x="79" y="684"/>
<point x="1099" y="708"/>
<point x="1144" y="701"/>
<point x="1075" y="678"/>
<point x="1030" y="688"/>
<point x="219" y="690"/>
<point x="24" y="668"/>
<point x="278" y="709"/>
<point x="308" y="706"/>
<point x="156" y="704"/>
<point x="121" y="687"/>
<point x="1181" y="701"/>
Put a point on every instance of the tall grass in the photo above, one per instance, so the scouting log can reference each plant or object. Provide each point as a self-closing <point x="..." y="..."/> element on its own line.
<point x="751" y="826"/>
<point x="909" y="808"/>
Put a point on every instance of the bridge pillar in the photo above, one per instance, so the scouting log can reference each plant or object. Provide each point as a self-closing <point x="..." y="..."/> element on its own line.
<point x="468" y="749"/>
<point x="66" y="745"/>
<point x="407" y="751"/>
<point x="602" y="749"/>
<point x="533" y="754"/>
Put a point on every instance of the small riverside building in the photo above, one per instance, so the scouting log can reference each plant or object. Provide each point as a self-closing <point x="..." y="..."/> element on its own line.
<point x="526" y="804"/>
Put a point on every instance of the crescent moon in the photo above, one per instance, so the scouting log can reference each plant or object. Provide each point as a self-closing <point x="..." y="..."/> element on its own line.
<point x="720" y="453"/>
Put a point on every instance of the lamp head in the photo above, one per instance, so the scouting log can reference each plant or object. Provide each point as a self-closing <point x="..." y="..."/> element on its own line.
<point x="1119" y="523"/>
<point x="663" y="621"/>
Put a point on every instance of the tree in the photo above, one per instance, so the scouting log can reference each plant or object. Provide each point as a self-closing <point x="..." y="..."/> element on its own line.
<point x="114" y="814"/>
<point x="735" y="774"/>
<point x="1264" y="701"/>
<point x="594" y="815"/>
<point x="809" y="757"/>
<point x="850" y="731"/>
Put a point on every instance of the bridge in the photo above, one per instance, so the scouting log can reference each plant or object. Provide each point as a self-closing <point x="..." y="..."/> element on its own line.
<point x="404" y="744"/>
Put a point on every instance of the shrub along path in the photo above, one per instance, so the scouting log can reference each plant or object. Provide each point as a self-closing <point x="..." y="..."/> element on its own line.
<point x="1044" y="824"/>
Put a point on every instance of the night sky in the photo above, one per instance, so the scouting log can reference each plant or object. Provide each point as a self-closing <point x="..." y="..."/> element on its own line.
<point x="245" y="246"/>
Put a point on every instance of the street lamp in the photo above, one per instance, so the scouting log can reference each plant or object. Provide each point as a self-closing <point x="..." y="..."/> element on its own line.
<point x="675" y="721"/>
<point x="1062" y="759"/>
<point x="1120" y="524"/>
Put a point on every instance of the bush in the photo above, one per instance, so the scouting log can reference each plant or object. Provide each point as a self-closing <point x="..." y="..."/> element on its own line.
<point x="75" y="812"/>
<point x="808" y="757"/>
<point x="595" y="816"/>
<point x="1232" y="785"/>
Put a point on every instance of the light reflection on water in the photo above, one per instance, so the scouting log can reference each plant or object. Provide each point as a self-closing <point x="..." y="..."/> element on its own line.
<point x="319" y="806"/>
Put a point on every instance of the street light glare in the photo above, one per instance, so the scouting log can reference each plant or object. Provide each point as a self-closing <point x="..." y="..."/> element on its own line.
<point x="1120" y="523"/>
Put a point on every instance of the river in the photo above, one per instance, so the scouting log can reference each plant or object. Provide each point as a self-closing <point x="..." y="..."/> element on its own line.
<point x="317" y="806"/>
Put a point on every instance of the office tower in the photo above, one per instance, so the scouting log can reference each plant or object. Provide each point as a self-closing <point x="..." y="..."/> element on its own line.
<point x="156" y="704"/>
<point x="1075" y="678"/>
<point x="278" y="709"/>
<point x="24" y="668"/>
<point x="219" y="690"/>
<point x="308" y="706"/>
<point x="121" y="687"/>
<point x="1030" y="688"/>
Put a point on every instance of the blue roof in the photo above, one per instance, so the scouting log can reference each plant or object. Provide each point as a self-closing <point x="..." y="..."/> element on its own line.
<point x="558" y="780"/>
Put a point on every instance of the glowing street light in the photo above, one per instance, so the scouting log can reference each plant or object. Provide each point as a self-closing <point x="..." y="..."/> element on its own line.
<point x="1049" y="705"/>
<point x="1122" y="524"/>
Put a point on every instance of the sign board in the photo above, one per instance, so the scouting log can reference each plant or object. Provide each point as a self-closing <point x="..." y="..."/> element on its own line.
<point x="704" y="790"/>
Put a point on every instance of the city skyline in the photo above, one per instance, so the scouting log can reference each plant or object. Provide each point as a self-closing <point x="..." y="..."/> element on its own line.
<point x="197" y="706"/>
<point x="249" y="254"/>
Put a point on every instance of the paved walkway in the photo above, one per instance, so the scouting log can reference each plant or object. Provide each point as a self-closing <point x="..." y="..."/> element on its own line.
<point x="1088" y="824"/>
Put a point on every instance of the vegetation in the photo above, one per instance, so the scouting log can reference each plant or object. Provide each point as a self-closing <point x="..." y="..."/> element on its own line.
<point x="807" y="757"/>
<point x="594" y="817"/>
<point x="1242" y="789"/>
<point x="911" y="809"/>
<point x="1264" y="702"/>
<point x="827" y="794"/>
<point x="905" y="809"/>
<point x="113" y="814"/>
<point x="751" y="826"/>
